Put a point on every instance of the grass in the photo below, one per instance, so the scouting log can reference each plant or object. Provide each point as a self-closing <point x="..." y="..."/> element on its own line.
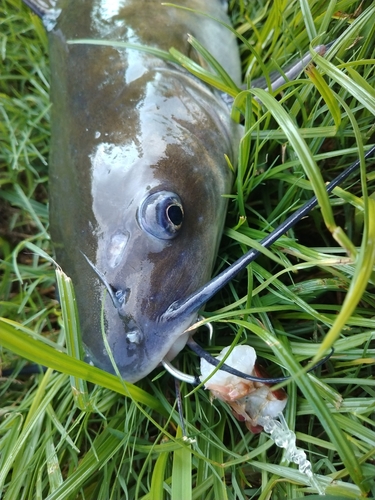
<point x="77" y="432"/>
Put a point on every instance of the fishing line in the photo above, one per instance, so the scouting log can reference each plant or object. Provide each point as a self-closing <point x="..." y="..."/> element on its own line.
<point x="226" y="368"/>
<point x="193" y="303"/>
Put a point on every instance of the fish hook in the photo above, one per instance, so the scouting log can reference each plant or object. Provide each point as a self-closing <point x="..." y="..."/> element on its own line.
<point x="226" y="368"/>
<point x="194" y="380"/>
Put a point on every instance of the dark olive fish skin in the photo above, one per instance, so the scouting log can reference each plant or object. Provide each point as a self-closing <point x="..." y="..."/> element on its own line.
<point x="125" y="126"/>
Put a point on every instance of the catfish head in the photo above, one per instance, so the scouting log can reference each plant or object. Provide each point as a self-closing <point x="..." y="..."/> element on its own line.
<point x="157" y="211"/>
<point x="138" y="174"/>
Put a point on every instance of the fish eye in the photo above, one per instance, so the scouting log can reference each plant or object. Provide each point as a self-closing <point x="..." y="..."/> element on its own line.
<point x="161" y="215"/>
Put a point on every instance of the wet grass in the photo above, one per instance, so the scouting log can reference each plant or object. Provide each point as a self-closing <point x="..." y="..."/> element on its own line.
<point x="77" y="432"/>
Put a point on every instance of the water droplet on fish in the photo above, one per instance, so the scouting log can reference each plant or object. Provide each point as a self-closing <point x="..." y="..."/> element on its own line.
<point x="116" y="248"/>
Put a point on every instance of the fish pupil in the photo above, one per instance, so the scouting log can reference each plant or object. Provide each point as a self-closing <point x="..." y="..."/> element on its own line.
<point x="175" y="214"/>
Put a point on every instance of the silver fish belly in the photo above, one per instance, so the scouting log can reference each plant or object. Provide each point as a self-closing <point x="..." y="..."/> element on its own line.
<point x="137" y="171"/>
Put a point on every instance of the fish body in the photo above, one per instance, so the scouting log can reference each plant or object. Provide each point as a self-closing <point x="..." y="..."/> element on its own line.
<point x="137" y="171"/>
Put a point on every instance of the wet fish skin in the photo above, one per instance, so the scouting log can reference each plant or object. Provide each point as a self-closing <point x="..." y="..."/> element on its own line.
<point x="126" y="125"/>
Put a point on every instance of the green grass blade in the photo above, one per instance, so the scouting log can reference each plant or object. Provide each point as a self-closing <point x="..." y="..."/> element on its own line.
<point x="72" y="335"/>
<point x="161" y="54"/>
<point x="157" y="482"/>
<point x="364" y="269"/>
<point x="20" y="343"/>
<point x="181" y="472"/>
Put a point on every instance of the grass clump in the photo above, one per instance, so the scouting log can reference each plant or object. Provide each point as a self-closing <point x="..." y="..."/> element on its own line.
<point x="78" y="432"/>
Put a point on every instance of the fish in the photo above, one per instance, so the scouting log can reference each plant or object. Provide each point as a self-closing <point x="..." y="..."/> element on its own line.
<point x="138" y="170"/>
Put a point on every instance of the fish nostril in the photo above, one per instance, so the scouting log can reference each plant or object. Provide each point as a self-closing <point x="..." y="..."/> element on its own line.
<point x="119" y="298"/>
<point x="121" y="295"/>
<point x="134" y="337"/>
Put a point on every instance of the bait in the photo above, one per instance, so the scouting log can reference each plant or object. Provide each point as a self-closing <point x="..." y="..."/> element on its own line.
<point x="250" y="401"/>
<point x="257" y="405"/>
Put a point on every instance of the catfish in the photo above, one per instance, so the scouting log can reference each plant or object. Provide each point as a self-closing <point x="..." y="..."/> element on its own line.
<point x="139" y="168"/>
